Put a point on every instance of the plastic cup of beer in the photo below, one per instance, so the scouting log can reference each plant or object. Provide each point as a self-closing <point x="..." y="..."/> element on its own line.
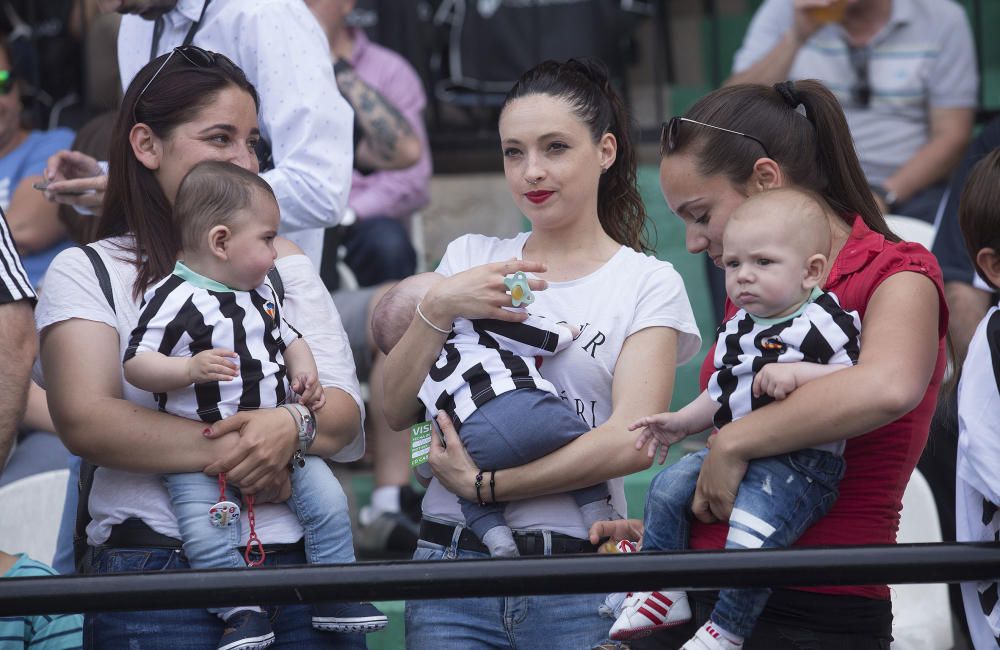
<point x="829" y="13"/>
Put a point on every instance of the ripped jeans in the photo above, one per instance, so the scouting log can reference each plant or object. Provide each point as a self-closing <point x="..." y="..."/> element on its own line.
<point x="779" y="498"/>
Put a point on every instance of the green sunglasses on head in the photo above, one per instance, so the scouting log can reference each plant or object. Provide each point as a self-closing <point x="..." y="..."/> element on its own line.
<point x="6" y="81"/>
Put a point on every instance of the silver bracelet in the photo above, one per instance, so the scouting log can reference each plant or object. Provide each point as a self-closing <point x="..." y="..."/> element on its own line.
<point x="430" y="324"/>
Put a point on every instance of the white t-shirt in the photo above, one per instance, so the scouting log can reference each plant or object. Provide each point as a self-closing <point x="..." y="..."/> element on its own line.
<point x="977" y="484"/>
<point x="630" y="292"/>
<point x="72" y="291"/>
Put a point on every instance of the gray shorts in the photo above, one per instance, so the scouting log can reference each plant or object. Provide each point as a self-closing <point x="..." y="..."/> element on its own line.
<point x="352" y="305"/>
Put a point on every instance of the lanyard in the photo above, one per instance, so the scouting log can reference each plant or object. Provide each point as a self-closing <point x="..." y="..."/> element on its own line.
<point x="188" y="38"/>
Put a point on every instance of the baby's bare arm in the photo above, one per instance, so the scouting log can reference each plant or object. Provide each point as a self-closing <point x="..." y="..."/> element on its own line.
<point x="303" y="375"/>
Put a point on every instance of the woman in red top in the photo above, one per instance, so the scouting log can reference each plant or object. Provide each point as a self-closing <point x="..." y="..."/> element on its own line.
<point x="741" y="140"/>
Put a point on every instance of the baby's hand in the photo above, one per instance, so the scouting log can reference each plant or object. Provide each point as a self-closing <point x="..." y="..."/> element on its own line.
<point x="775" y="379"/>
<point x="659" y="431"/>
<point x="212" y="365"/>
<point x="311" y="393"/>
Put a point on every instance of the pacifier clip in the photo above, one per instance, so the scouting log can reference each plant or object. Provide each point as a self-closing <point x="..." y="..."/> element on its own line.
<point x="226" y="513"/>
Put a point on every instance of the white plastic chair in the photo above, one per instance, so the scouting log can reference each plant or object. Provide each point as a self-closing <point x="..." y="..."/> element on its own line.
<point x="921" y="612"/>
<point x="30" y="514"/>
<point x="910" y="229"/>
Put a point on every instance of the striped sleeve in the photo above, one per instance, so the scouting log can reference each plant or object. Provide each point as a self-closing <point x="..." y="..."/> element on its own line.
<point x="57" y="632"/>
<point x="159" y="316"/>
<point x="14" y="284"/>
<point x="537" y="336"/>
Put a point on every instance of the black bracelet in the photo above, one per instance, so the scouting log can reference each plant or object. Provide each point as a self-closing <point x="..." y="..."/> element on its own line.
<point x="479" y="484"/>
<point x="493" y="483"/>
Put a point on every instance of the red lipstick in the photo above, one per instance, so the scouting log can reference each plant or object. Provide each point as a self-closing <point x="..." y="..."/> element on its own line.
<point x="539" y="196"/>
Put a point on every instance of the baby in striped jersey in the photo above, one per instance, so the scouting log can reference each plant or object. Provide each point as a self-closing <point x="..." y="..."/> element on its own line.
<point x="505" y="412"/>
<point x="787" y="332"/>
<point x="210" y="341"/>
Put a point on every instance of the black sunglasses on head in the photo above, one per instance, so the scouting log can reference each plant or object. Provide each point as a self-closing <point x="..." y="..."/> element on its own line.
<point x="195" y="56"/>
<point x="671" y="128"/>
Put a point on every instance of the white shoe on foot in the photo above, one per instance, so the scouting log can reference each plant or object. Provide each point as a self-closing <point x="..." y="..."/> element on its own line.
<point x="644" y="612"/>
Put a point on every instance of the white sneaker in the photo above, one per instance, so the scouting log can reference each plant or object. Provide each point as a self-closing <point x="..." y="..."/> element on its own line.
<point x="644" y="612"/>
<point x="708" y="637"/>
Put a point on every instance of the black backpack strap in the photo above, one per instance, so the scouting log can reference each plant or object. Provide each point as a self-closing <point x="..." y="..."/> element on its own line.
<point x="87" y="470"/>
<point x="276" y="282"/>
<point x="101" y="271"/>
<point x="80" y="546"/>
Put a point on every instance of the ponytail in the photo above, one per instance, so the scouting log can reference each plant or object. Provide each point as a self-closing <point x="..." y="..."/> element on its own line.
<point x="584" y="84"/>
<point x="847" y="190"/>
<point x="803" y="129"/>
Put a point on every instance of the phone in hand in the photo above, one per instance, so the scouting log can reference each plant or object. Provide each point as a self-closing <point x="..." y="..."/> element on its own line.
<point x="44" y="185"/>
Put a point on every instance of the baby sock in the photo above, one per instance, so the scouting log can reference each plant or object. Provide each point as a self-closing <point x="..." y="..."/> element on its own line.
<point x="500" y="541"/>
<point x="733" y="638"/>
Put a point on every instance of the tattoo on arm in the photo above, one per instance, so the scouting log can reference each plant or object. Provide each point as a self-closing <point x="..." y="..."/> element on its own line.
<point x="381" y="123"/>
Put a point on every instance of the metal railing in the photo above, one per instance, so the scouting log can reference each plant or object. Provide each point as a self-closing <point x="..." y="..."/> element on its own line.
<point x="844" y="565"/>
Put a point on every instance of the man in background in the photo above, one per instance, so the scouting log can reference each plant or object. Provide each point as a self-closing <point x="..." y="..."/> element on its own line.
<point x="388" y="100"/>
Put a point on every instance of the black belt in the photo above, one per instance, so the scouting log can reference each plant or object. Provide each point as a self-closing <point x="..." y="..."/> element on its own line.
<point x="528" y="543"/>
<point x="135" y="533"/>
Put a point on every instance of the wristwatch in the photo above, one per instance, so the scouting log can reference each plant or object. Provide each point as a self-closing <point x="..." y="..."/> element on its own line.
<point x="306" y="422"/>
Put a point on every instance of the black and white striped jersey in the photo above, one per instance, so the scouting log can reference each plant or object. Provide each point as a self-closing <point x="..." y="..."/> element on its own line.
<point x="484" y="358"/>
<point x="822" y="332"/>
<point x="181" y="319"/>
<point x="14" y="284"/>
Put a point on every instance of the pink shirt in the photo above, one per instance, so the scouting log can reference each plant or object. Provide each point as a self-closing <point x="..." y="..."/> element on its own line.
<point x="393" y="193"/>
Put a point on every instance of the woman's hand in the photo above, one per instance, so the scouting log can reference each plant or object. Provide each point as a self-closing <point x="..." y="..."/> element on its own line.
<point x="718" y="482"/>
<point x="479" y="292"/>
<point x="259" y="463"/>
<point x="451" y="463"/>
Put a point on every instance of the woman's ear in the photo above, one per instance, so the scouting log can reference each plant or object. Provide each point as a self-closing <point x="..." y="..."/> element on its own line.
<point x="766" y="175"/>
<point x="815" y="268"/>
<point x="988" y="263"/>
<point x="145" y="146"/>
<point x="218" y="242"/>
<point x="608" y="148"/>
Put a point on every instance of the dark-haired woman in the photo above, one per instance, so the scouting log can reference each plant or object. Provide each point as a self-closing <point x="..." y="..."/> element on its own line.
<point x="741" y="140"/>
<point x="182" y="108"/>
<point x="571" y="170"/>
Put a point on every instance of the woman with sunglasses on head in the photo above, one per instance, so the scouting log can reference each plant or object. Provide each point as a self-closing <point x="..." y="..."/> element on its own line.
<point x="570" y="168"/>
<point x="182" y="108"/>
<point x="732" y="144"/>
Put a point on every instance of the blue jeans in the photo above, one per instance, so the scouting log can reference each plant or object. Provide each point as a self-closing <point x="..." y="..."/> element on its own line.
<point x="513" y="429"/>
<point x="779" y="498"/>
<point x="378" y="249"/>
<point x="317" y="499"/>
<point x="567" y="622"/>
<point x="193" y="629"/>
